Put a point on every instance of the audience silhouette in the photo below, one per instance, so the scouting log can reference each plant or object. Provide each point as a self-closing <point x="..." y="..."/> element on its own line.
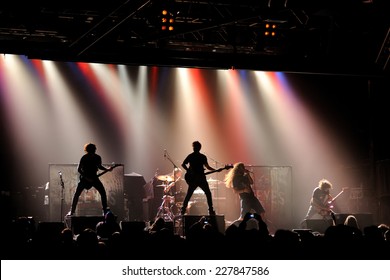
<point x="161" y="241"/>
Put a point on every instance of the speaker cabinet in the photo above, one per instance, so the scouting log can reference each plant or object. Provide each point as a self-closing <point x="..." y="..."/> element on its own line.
<point x="80" y="223"/>
<point x="319" y="225"/>
<point x="134" y="193"/>
<point x="217" y="221"/>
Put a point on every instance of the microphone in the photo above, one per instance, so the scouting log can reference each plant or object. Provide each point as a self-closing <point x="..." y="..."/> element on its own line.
<point x="165" y="153"/>
<point x="60" y="173"/>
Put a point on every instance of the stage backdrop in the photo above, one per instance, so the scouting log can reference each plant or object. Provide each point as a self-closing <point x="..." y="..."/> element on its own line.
<point x="273" y="187"/>
<point x="89" y="202"/>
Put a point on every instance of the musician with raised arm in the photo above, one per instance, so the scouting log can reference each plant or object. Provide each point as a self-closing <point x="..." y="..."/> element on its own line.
<point x="195" y="164"/>
<point x="88" y="167"/>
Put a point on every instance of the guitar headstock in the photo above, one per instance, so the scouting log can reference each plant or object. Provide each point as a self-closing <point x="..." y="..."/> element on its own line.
<point x="114" y="165"/>
<point x="228" y="166"/>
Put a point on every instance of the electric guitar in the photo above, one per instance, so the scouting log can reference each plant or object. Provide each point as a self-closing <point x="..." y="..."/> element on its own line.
<point x="91" y="180"/>
<point x="191" y="178"/>
<point x="329" y="203"/>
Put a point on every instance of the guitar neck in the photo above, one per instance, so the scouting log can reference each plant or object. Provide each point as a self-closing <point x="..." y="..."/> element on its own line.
<point x="334" y="198"/>
<point x="102" y="173"/>
<point x="210" y="172"/>
<point x="218" y="170"/>
<point x="105" y="171"/>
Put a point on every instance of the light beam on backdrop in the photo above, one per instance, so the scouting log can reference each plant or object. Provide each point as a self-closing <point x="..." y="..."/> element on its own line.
<point x="255" y="117"/>
<point x="99" y="106"/>
<point x="68" y="119"/>
<point x="30" y="122"/>
<point x="262" y="141"/>
<point x="309" y="147"/>
<point x="135" y="100"/>
<point x="197" y="111"/>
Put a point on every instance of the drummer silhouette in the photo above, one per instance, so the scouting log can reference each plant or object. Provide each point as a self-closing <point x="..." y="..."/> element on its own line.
<point x="173" y="194"/>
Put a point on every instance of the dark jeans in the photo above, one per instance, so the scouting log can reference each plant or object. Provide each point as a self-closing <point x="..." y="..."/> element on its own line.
<point x="204" y="185"/>
<point x="83" y="185"/>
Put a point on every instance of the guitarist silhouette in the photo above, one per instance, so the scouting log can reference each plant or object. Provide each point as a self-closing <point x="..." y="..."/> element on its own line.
<point x="195" y="164"/>
<point x="88" y="167"/>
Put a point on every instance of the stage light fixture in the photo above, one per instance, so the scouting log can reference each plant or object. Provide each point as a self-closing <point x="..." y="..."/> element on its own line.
<point x="270" y="29"/>
<point x="167" y="20"/>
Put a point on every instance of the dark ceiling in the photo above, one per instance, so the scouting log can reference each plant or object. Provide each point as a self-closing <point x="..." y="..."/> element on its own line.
<point x="314" y="36"/>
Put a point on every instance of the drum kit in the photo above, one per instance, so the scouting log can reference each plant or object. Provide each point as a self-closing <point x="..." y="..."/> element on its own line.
<point x="171" y="204"/>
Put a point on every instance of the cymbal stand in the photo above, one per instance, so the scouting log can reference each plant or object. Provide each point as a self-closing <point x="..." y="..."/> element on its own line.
<point x="164" y="210"/>
<point x="62" y="194"/>
<point x="168" y="215"/>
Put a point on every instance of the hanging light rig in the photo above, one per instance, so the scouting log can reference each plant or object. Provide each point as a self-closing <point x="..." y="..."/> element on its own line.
<point x="167" y="20"/>
<point x="270" y="30"/>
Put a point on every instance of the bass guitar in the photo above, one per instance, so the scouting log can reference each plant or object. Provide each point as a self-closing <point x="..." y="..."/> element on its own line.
<point x="191" y="178"/>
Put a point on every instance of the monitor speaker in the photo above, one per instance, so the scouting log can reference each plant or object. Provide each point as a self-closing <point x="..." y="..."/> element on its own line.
<point x="319" y="225"/>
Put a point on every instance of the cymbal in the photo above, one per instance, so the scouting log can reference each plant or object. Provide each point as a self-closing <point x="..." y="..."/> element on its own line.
<point x="167" y="177"/>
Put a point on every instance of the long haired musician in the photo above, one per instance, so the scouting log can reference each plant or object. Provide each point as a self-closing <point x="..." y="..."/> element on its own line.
<point x="320" y="208"/>
<point x="240" y="180"/>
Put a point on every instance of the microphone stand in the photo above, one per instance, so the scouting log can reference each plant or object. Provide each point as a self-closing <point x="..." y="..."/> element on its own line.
<point x="62" y="194"/>
<point x="177" y="223"/>
<point x="166" y="155"/>
<point x="216" y="162"/>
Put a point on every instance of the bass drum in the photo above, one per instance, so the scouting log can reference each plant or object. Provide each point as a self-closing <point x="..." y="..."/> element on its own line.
<point x="197" y="208"/>
<point x="179" y="197"/>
